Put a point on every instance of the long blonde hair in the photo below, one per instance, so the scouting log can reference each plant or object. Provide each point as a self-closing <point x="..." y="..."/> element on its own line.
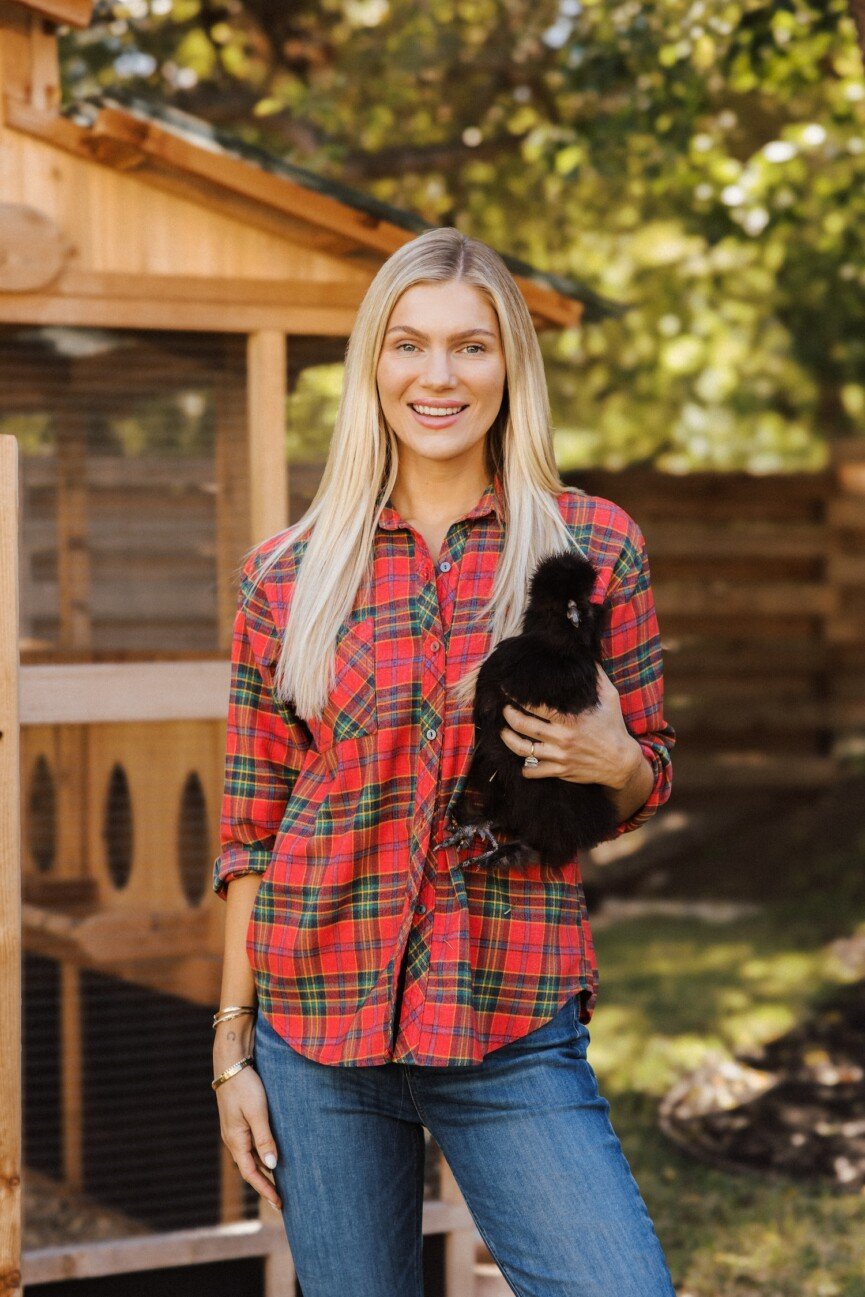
<point x="363" y="460"/>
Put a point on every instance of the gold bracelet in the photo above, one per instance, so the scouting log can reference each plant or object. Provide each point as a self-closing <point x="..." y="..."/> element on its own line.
<point x="232" y="1011"/>
<point x="227" y="1017"/>
<point x="230" y="1071"/>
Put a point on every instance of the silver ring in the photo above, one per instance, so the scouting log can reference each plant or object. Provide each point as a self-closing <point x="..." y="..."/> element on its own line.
<point x="531" y="761"/>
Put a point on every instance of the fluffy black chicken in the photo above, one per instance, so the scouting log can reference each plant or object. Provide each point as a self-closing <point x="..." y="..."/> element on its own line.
<point x="552" y="661"/>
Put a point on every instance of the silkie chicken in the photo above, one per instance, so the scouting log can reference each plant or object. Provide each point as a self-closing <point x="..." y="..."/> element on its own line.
<point x="552" y="661"/>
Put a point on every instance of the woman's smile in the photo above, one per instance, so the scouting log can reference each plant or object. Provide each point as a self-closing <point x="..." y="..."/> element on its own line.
<point x="433" y="415"/>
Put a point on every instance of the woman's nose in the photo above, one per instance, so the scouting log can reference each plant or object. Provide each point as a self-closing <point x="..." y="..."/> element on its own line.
<point x="438" y="371"/>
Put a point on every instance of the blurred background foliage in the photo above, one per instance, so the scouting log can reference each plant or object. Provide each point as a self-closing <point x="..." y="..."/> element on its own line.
<point x="701" y="160"/>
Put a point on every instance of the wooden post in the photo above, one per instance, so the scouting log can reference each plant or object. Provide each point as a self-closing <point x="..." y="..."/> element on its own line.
<point x="73" y="549"/>
<point x="266" y="392"/>
<point x="233" y="531"/>
<point x="459" y="1243"/>
<point x="71" y="1075"/>
<point x="10" y="880"/>
<point x="845" y="578"/>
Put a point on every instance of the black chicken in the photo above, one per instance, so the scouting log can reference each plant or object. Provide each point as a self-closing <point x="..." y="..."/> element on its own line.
<point x="552" y="661"/>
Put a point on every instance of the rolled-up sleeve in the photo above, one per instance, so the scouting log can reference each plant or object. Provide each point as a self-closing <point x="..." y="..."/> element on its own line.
<point x="632" y="658"/>
<point x="265" y="742"/>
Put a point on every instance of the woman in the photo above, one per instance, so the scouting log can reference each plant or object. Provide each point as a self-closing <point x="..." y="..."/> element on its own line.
<point x="397" y="987"/>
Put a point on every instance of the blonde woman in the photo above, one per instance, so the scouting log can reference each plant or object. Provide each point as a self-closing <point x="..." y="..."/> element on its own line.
<point x="374" y="982"/>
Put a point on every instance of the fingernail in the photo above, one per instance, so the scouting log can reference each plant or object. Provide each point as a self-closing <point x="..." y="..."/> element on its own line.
<point x="274" y="1206"/>
<point x="270" y="1160"/>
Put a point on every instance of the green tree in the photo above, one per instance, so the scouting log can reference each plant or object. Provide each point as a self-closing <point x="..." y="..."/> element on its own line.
<point x="701" y="160"/>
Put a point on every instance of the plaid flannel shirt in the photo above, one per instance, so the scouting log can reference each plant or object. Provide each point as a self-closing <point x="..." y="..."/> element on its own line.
<point x="366" y="943"/>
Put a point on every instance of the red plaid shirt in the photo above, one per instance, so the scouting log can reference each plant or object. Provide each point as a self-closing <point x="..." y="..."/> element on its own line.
<point x="341" y="816"/>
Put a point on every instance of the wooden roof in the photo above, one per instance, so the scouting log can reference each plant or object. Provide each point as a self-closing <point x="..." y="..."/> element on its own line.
<point x="77" y="13"/>
<point x="177" y="151"/>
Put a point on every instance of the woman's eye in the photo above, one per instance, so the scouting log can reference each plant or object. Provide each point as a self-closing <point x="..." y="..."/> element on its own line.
<point x="479" y="346"/>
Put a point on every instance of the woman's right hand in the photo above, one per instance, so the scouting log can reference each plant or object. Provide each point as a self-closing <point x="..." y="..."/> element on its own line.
<point x="245" y="1129"/>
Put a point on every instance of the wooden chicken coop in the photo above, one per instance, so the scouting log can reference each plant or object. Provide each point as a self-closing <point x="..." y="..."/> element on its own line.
<point x="161" y="292"/>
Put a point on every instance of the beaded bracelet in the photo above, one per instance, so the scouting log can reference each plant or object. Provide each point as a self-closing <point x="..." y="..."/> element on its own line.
<point x="230" y="1071"/>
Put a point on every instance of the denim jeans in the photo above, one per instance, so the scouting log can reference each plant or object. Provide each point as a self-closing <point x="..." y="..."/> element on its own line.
<point x="526" y="1134"/>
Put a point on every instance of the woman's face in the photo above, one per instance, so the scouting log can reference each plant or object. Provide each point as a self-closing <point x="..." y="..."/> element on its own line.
<point x="442" y="350"/>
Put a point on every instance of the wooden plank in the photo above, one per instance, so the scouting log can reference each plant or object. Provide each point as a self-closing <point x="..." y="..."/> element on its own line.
<point x="224" y="1242"/>
<point x="846" y="569"/>
<point x="654" y="491"/>
<point x="234" y="292"/>
<point x="139" y="596"/>
<point x="720" y="771"/>
<point x="110" y="938"/>
<point x="847" y="513"/>
<point x="146" y="313"/>
<point x="695" y="713"/>
<point x="266" y="396"/>
<point x="698" y="658"/>
<point x="724" y="599"/>
<point x="90" y="1260"/>
<point x="192" y="475"/>
<point x="764" y="542"/>
<point x="82" y="693"/>
<point x="10" y="879"/>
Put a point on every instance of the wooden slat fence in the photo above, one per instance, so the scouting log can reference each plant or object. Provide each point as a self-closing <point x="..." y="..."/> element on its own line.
<point x="759" y="583"/>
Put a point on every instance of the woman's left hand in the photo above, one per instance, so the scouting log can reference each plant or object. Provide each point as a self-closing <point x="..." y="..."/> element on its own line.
<point x="593" y="747"/>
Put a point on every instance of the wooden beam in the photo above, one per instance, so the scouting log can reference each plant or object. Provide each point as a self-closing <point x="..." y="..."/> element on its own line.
<point x="109" y="939"/>
<point x="190" y="316"/>
<point x="29" y="65"/>
<point x="10" y="880"/>
<point x="77" y="13"/>
<point x="266" y="394"/>
<point x="156" y="1251"/>
<point x="160" y="1251"/>
<point x="87" y="693"/>
<point x="73" y="553"/>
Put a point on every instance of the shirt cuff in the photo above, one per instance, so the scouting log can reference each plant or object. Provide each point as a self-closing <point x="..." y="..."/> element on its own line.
<point x="661" y="788"/>
<point x="235" y="861"/>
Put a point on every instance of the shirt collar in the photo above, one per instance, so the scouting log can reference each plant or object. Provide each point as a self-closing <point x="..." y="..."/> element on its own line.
<point x="491" y="501"/>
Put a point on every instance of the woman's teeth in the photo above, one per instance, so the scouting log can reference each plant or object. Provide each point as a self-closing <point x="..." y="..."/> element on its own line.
<point x="437" y="409"/>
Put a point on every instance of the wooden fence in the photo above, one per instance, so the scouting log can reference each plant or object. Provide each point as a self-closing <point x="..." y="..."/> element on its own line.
<point x="759" y="584"/>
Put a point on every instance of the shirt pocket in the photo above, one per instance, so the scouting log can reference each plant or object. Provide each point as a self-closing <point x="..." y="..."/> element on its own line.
<point x="351" y="711"/>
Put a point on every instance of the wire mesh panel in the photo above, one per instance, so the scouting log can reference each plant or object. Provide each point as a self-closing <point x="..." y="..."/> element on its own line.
<point x="133" y="479"/>
<point x="132" y="451"/>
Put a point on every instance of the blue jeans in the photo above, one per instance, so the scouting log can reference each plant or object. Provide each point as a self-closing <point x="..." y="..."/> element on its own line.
<point x="526" y="1134"/>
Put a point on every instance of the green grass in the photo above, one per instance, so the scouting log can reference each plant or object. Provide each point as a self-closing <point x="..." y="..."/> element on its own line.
<point x="673" y="989"/>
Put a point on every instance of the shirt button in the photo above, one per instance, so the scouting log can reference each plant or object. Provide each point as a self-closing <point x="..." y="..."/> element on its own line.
<point x="445" y="566"/>
<point x="434" y="646"/>
<point x="420" y="908"/>
<point x="431" y="733"/>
